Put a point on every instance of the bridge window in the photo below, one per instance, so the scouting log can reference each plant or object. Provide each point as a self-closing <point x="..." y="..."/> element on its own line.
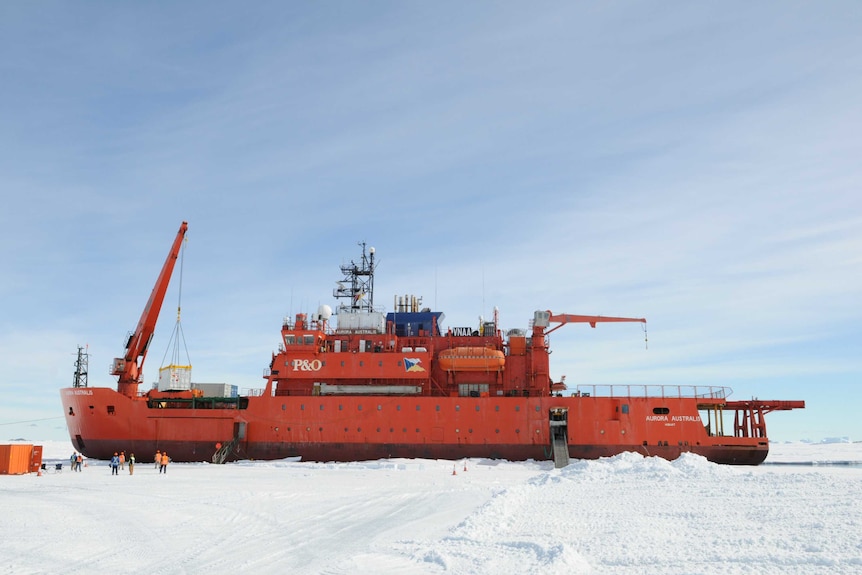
<point x="625" y="408"/>
<point x="110" y="410"/>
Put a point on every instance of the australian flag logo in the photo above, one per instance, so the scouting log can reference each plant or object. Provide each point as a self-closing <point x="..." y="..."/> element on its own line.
<point x="412" y="364"/>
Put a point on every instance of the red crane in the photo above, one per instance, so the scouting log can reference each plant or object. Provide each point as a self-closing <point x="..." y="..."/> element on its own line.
<point x="565" y="318"/>
<point x="129" y="368"/>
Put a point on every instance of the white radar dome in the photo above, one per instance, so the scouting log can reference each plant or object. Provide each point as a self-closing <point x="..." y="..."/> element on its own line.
<point x="324" y="312"/>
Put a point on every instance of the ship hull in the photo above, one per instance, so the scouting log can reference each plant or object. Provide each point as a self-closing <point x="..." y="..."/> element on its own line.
<point x="355" y="428"/>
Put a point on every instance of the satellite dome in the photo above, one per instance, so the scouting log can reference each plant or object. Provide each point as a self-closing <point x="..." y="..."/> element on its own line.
<point x="324" y="312"/>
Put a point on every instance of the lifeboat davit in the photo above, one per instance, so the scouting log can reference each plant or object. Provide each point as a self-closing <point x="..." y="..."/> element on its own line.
<point x="472" y="359"/>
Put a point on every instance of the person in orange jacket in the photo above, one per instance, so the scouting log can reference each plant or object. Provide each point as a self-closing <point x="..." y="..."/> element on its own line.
<point x="158" y="458"/>
<point x="164" y="464"/>
<point x="123" y="460"/>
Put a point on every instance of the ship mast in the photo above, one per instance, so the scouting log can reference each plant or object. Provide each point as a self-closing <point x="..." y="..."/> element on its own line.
<point x="358" y="284"/>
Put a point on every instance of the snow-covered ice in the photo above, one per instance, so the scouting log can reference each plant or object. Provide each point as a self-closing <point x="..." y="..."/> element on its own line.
<point x="623" y="515"/>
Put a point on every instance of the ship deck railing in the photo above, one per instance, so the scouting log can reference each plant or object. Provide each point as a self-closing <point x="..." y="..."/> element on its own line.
<point x="663" y="391"/>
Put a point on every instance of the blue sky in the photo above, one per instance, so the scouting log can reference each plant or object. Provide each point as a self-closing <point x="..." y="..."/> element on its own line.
<point x="696" y="164"/>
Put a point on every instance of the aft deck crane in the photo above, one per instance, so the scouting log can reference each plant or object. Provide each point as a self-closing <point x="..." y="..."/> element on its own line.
<point x="129" y="368"/>
<point x="565" y="318"/>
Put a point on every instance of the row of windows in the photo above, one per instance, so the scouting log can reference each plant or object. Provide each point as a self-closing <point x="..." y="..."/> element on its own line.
<point x="398" y="407"/>
<point x="392" y="430"/>
<point x="295" y="363"/>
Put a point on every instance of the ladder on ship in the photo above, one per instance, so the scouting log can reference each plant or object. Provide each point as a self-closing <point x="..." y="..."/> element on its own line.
<point x="560" y="436"/>
<point x="222" y="452"/>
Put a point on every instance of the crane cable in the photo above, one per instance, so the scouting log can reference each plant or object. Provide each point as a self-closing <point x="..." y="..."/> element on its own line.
<point x="178" y="328"/>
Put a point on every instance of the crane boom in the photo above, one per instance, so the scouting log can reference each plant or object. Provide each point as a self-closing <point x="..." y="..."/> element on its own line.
<point x="129" y="368"/>
<point x="565" y="318"/>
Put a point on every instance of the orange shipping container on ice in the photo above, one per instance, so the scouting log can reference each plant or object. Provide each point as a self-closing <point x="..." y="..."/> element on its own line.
<point x="20" y="458"/>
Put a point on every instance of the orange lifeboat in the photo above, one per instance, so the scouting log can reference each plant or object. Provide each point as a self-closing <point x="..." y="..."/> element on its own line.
<point x="471" y="359"/>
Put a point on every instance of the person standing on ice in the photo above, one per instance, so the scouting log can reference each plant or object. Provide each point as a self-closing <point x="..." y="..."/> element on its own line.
<point x="123" y="460"/>
<point x="164" y="465"/>
<point x="79" y="460"/>
<point x="131" y="464"/>
<point x="158" y="458"/>
<point x="115" y="464"/>
<point x="73" y="460"/>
